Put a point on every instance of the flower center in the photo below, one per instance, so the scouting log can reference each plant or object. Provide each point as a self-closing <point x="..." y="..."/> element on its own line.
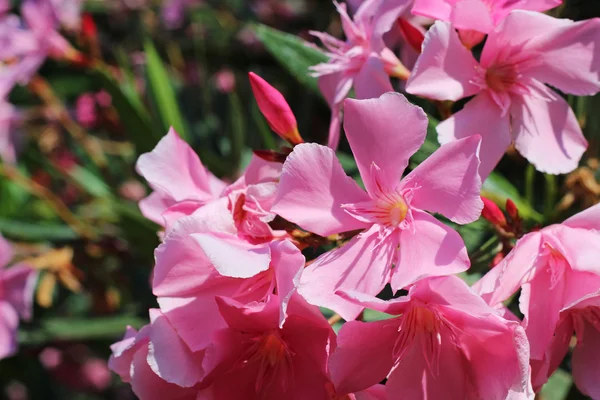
<point x="501" y="78"/>
<point x="270" y="356"/>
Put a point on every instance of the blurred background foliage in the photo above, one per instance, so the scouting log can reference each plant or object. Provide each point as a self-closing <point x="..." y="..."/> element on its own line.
<point x="70" y="204"/>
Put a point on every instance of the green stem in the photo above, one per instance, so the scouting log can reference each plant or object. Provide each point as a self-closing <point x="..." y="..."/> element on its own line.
<point x="529" y="183"/>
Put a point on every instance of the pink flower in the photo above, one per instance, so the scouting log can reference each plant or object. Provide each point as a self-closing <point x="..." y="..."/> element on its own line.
<point x="511" y="100"/>
<point x="474" y="18"/>
<point x="182" y="185"/>
<point x="10" y="119"/>
<point x="315" y="193"/>
<point x="156" y="362"/>
<point x="27" y="45"/>
<point x="85" y="110"/>
<point x="17" y="284"/>
<point x="445" y="343"/>
<point x="254" y="357"/>
<point x="5" y="6"/>
<point x="68" y="13"/>
<point x="362" y="61"/>
<point x="558" y="273"/>
<point x="194" y="264"/>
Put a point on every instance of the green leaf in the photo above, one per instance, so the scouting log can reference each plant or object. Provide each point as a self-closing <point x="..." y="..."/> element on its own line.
<point x="92" y="184"/>
<point x="293" y="53"/>
<point x="163" y="93"/>
<point x="36" y="232"/>
<point x="558" y="386"/>
<point x="68" y="329"/>
<point x="144" y="133"/>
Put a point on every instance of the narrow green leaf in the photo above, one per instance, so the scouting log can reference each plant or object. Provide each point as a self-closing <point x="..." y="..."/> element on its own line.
<point x="89" y="181"/>
<point x="144" y="133"/>
<point x="163" y="93"/>
<point x="37" y="231"/>
<point x="293" y="53"/>
<point x="63" y="329"/>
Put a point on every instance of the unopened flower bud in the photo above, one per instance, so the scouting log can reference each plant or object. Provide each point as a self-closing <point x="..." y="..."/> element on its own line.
<point x="511" y="209"/>
<point x="492" y="213"/>
<point x="275" y="109"/>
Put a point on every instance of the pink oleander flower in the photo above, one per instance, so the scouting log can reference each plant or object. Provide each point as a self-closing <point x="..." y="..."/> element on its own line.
<point x="195" y="263"/>
<point x="558" y="273"/>
<point x="140" y="359"/>
<point x="475" y="18"/>
<point x="399" y="242"/>
<point x="17" y="284"/>
<point x="363" y="61"/>
<point x="27" y="44"/>
<point x="512" y="103"/>
<point x="444" y="343"/>
<point x="182" y="185"/>
<point x="173" y="11"/>
<point x="254" y="357"/>
<point x="10" y="119"/>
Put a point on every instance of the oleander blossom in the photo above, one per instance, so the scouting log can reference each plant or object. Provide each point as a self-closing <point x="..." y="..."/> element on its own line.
<point x="512" y="102"/>
<point x="26" y="43"/>
<point x="17" y="284"/>
<point x="444" y="342"/>
<point x="399" y="242"/>
<point x="363" y="61"/>
<point x="183" y="185"/>
<point x="558" y="273"/>
<point x="475" y="18"/>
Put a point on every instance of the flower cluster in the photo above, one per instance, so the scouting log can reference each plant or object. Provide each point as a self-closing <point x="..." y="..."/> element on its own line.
<point x="239" y="315"/>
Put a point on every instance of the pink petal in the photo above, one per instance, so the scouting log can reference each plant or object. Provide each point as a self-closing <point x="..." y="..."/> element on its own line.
<point x="540" y="302"/>
<point x="170" y="358"/>
<point x="148" y="386"/>
<point x="586" y="368"/>
<point x="547" y="134"/>
<point x="181" y="266"/>
<point x="313" y="187"/>
<point x="412" y="378"/>
<point x="586" y="219"/>
<point x="473" y="15"/>
<point x="260" y="171"/>
<point x="154" y="205"/>
<point x="232" y="257"/>
<point x="184" y="314"/>
<point x="445" y="69"/>
<point x="563" y="54"/>
<point x="175" y="170"/>
<point x="433" y="249"/>
<point x="9" y="322"/>
<point x="356" y="266"/>
<point x="18" y="287"/>
<point x="505" y="279"/>
<point x="123" y="351"/>
<point x="376" y="392"/>
<point x="448" y="181"/>
<point x="288" y="264"/>
<point x="372" y="130"/>
<point x="556" y="351"/>
<point x="478" y="113"/>
<point x="396" y="306"/>
<point x="372" y="81"/>
<point x="580" y="248"/>
<point x="253" y="317"/>
<point x="363" y="356"/>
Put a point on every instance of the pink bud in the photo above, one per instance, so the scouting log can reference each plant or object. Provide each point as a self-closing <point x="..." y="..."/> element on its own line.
<point x="492" y="213"/>
<point x="275" y="109"/>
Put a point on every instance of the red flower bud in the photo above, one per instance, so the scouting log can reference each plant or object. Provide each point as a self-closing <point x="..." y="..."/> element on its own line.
<point x="492" y="213"/>
<point x="511" y="210"/>
<point x="411" y="34"/>
<point x="275" y="109"/>
<point x="88" y="27"/>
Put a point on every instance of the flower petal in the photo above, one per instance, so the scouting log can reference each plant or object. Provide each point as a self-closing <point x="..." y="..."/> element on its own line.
<point x="432" y="249"/>
<point x="547" y="133"/>
<point x="386" y="131"/>
<point x="448" y="181"/>
<point x="312" y="189"/>
<point x="478" y="113"/>
<point x="445" y="70"/>
<point x="356" y="266"/>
